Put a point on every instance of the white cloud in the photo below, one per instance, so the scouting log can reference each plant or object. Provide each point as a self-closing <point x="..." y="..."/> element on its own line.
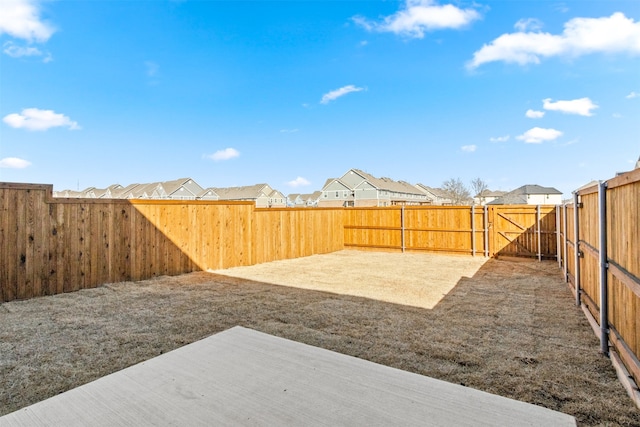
<point x="538" y="135"/>
<point x="420" y="16"/>
<point x="499" y="138"/>
<point x="335" y="94"/>
<point x="616" y="115"/>
<point x="298" y="182"/>
<point x="530" y="24"/>
<point x="14" y="163"/>
<point x="533" y="114"/>
<point x="468" y="148"/>
<point x="582" y="106"/>
<point x="632" y="95"/>
<point x="226" y="154"/>
<point x="581" y="36"/>
<point x="36" y="119"/>
<point x="16" y="51"/>
<point x="152" y="68"/>
<point x="21" y="19"/>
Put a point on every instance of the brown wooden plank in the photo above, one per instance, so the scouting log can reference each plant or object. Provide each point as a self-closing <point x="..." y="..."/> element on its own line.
<point x="7" y="246"/>
<point x="20" y="224"/>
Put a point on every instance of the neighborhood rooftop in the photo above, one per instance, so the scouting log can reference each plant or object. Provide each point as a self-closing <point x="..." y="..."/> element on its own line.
<point x="354" y="188"/>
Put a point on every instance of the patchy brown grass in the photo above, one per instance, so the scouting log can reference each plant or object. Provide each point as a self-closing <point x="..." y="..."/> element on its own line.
<point x="510" y="328"/>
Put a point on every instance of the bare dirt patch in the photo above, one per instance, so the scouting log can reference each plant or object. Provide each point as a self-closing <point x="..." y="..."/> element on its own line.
<point x="418" y="280"/>
<point x="509" y="328"/>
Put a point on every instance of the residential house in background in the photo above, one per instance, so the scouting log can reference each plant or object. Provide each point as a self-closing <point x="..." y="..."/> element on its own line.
<point x="311" y="200"/>
<point x="487" y="196"/>
<point x="208" y="194"/>
<point x="530" y="195"/>
<point x="359" y="188"/>
<point x="261" y="194"/>
<point x="435" y="196"/>
<point x="354" y="188"/>
<point x="179" y="189"/>
<point x="294" y="200"/>
<point x="182" y="189"/>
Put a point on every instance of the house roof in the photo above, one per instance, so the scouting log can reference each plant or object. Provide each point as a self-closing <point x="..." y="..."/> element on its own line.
<point x="187" y="183"/>
<point x="510" y="199"/>
<point x="249" y="192"/>
<point x="534" y="189"/>
<point x="388" y="184"/>
<point x="490" y="193"/>
<point x="205" y="192"/>
<point x="315" y="195"/>
<point x="519" y="195"/>
<point x="438" y="192"/>
<point x="311" y="197"/>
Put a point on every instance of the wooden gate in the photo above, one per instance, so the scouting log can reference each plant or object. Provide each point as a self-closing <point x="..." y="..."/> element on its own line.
<point x="522" y="231"/>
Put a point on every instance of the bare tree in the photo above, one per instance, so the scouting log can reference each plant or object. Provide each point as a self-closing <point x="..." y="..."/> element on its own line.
<point x="457" y="191"/>
<point x="478" y="186"/>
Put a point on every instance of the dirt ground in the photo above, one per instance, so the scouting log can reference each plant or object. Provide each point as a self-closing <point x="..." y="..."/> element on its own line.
<point x="505" y="327"/>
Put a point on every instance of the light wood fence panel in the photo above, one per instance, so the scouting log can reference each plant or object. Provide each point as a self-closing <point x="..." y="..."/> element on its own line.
<point x="439" y="229"/>
<point x="51" y="245"/>
<point x="623" y="256"/>
<point x="295" y="232"/>
<point x="524" y="230"/>
<point x="589" y="250"/>
<point x="569" y="259"/>
<point x="373" y="228"/>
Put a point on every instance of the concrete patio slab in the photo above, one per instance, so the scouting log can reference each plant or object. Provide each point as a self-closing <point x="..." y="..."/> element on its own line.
<point x="244" y="377"/>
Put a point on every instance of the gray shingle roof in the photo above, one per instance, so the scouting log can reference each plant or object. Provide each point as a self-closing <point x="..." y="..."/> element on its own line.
<point x="250" y="192"/>
<point x="490" y="193"/>
<point x="534" y="189"/>
<point x="438" y="192"/>
<point x="389" y="184"/>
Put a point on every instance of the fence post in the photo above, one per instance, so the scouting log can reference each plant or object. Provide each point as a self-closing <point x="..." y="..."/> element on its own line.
<point x="604" y="294"/>
<point x="473" y="231"/>
<point x="566" y="243"/>
<point x="539" y="233"/>
<point x="558" y="243"/>
<point x="402" y="226"/>
<point x="486" y="231"/>
<point x="576" y="247"/>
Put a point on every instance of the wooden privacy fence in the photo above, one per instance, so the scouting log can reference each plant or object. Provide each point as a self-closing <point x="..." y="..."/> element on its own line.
<point x="510" y="230"/>
<point x="50" y="246"/>
<point x="600" y="257"/>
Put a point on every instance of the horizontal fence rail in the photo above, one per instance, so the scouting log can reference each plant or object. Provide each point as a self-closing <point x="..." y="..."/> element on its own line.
<point x="601" y="263"/>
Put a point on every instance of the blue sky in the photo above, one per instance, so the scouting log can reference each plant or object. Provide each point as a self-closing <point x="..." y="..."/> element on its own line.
<point x="291" y="93"/>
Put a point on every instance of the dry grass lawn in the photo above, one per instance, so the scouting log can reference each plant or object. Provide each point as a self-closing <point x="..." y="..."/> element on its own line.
<point x="506" y="327"/>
